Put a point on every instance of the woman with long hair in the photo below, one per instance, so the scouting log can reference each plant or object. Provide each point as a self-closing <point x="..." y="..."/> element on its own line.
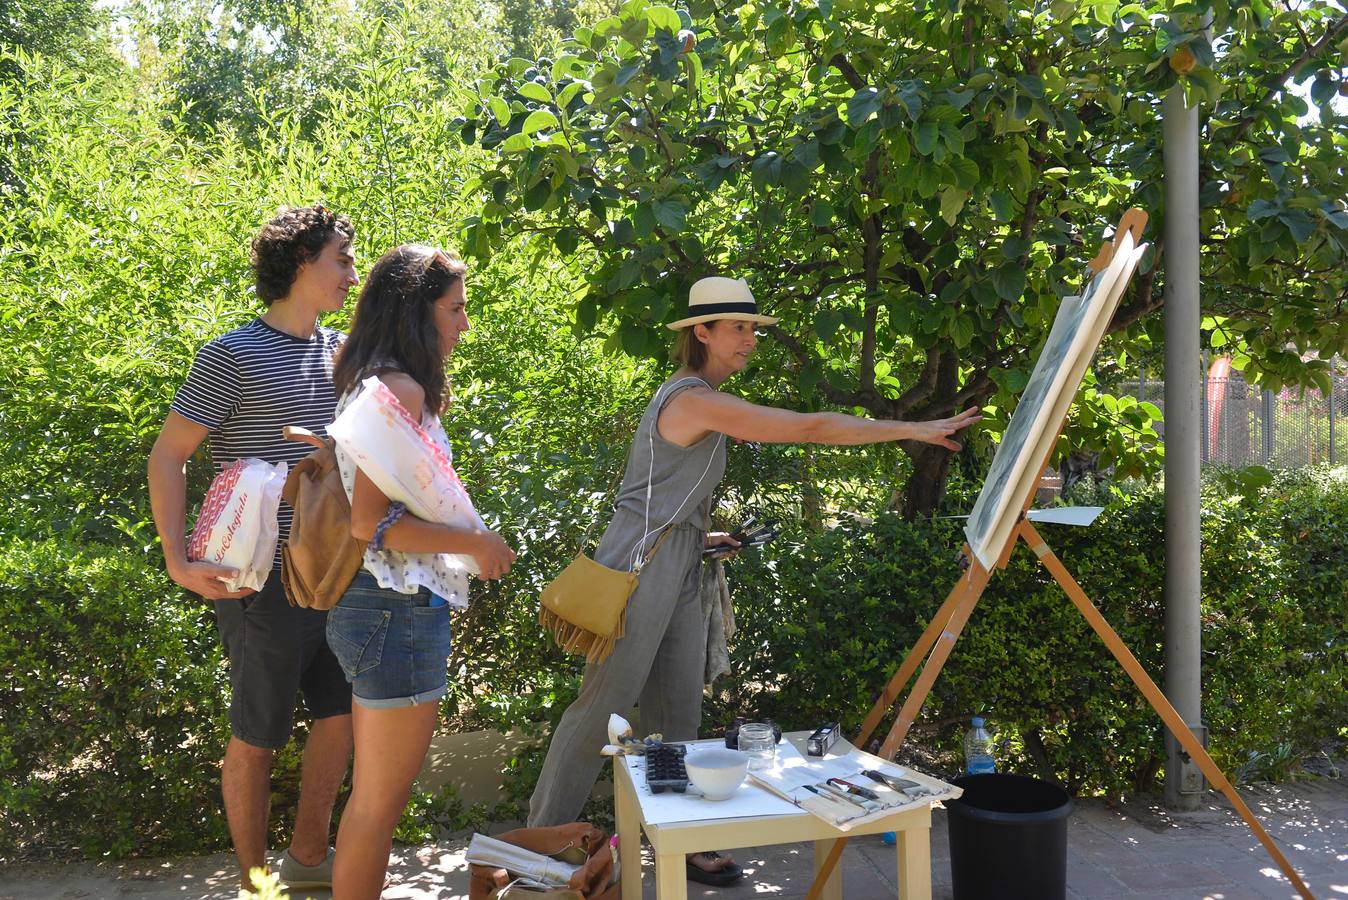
<point x="390" y="630"/>
<point x="673" y="467"/>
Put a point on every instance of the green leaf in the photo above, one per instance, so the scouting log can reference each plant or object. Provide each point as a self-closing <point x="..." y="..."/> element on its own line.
<point x="1000" y="201"/>
<point x="1008" y="280"/>
<point x="862" y="106"/>
<point x="1299" y="223"/>
<point x="962" y="330"/>
<point x="767" y="170"/>
<point x="671" y="214"/>
<point x="1263" y="209"/>
<point x="643" y="221"/>
<point x="539" y="120"/>
<point x="517" y="143"/>
<point x="822" y="213"/>
<point x="826" y="323"/>
<point x="952" y="201"/>
<point x="1323" y="89"/>
<point x="925" y="135"/>
<point x="664" y="17"/>
<point x="1032" y="83"/>
<point x="535" y="91"/>
<point x="566" y="241"/>
<point x="568" y="93"/>
<point x="501" y="110"/>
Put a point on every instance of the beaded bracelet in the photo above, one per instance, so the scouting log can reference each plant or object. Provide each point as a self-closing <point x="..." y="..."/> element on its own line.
<point x="395" y="512"/>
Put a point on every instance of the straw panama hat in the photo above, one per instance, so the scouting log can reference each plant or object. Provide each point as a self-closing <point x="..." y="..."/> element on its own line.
<point x="721" y="298"/>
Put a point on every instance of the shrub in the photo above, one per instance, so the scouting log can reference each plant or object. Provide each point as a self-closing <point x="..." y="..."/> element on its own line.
<point x="112" y="712"/>
<point x="827" y="618"/>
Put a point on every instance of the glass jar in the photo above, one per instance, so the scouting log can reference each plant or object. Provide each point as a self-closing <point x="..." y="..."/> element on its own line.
<point x="759" y="743"/>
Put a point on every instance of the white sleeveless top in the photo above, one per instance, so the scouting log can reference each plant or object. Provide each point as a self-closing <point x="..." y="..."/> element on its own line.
<point x="395" y="570"/>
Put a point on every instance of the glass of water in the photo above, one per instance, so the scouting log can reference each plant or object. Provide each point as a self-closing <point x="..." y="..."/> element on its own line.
<point x="759" y="743"/>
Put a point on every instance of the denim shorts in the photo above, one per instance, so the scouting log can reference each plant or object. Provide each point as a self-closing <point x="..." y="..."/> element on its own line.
<point x="392" y="647"/>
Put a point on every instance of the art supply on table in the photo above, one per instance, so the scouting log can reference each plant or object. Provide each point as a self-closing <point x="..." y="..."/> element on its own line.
<point x="823" y="738"/>
<point x="757" y="741"/>
<point x="851" y="788"/>
<point x="665" y="769"/>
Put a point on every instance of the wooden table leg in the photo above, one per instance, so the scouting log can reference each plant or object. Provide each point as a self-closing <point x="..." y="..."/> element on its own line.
<point x="629" y="839"/>
<point x="832" y="889"/>
<point x="671" y="877"/>
<point x="914" y="860"/>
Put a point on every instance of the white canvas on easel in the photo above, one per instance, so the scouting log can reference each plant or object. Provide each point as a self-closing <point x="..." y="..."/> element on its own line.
<point x="1077" y="330"/>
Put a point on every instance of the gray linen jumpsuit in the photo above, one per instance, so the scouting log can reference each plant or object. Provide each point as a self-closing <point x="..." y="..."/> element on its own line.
<point x="660" y="659"/>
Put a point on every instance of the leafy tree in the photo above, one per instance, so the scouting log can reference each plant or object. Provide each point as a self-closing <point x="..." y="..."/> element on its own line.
<point x="64" y="29"/>
<point x="914" y="187"/>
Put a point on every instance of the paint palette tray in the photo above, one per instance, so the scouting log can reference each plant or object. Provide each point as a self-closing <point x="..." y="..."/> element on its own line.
<point x="664" y="769"/>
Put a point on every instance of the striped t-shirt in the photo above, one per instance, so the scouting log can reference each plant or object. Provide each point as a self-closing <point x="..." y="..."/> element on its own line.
<point x="250" y="382"/>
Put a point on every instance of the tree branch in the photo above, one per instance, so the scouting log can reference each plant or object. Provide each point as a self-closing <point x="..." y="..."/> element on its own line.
<point x="849" y="74"/>
<point x="1331" y="35"/>
<point x="1145" y="301"/>
<point x="802" y="356"/>
<point x="922" y="389"/>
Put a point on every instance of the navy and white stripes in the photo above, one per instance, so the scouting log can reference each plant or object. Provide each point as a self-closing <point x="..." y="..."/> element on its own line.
<point x="247" y="384"/>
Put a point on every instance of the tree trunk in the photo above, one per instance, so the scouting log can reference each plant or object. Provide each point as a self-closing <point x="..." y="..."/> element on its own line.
<point x="926" y="485"/>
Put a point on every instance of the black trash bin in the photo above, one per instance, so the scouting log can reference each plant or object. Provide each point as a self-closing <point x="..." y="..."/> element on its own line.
<point x="1008" y="838"/>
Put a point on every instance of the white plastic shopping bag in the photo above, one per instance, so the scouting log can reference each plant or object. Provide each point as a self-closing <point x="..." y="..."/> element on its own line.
<point x="404" y="462"/>
<point x="237" y="526"/>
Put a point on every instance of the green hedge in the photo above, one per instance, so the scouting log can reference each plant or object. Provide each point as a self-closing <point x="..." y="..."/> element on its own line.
<point x="112" y="720"/>
<point x="112" y="711"/>
<point x="827" y="619"/>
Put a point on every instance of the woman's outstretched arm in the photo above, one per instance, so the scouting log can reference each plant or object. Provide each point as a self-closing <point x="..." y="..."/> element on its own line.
<point x="696" y="412"/>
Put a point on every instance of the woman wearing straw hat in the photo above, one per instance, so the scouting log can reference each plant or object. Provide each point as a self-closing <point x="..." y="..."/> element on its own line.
<point x="675" y="462"/>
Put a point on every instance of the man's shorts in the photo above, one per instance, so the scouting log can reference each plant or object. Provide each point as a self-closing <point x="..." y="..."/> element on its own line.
<point x="277" y="651"/>
<point x="392" y="646"/>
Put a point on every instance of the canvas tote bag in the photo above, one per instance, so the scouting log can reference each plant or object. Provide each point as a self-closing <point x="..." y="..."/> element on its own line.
<point x="585" y="607"/>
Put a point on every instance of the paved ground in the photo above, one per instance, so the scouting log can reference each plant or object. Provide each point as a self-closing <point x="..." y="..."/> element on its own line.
<point x="1114" y="852"/>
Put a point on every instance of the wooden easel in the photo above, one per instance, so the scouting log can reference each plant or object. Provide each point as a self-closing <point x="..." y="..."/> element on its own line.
<point x="938" y="640"/>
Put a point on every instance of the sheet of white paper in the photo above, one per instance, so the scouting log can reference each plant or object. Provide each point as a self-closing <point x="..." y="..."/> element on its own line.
<point x="1066" y="515"/>
<point x="668" y="807"/>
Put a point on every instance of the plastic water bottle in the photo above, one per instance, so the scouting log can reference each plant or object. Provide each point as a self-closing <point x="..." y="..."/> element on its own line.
<point x="978" y="750"/>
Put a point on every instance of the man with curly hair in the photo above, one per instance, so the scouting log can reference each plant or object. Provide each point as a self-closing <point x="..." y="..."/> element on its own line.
<point x="244" y="386"/>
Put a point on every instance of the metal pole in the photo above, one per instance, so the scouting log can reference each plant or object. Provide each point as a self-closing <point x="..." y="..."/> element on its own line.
<point x="1333" y="455"/>
<point x="1183" y="575"/>
<point x="1267" y="399"/>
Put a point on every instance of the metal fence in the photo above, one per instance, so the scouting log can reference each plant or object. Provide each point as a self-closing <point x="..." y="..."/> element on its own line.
<point x="1243" y="425"/>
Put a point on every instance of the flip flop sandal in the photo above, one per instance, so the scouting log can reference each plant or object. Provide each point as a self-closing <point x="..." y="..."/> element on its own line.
<point x="720" y="878"/>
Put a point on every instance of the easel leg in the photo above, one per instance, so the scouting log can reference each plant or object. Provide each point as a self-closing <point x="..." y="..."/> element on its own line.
<point x="832" y="889"/>
<point x="940" y="635"/>
<point x="1173" y="720"/>
<point x="972" y="585"/>
<point x="890" y="695"/>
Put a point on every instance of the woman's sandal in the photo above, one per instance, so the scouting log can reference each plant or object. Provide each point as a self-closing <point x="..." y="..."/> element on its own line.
<point x="718" y="878"/>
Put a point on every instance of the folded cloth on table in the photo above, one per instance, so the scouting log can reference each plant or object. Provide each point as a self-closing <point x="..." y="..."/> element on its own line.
<point x="237" y="526"/>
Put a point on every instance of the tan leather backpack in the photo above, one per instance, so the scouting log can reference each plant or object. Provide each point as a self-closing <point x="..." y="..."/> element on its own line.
<point x="320" y="558"/>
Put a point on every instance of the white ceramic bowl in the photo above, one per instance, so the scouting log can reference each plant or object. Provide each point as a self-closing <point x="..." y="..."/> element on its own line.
<point x="716" y="771"/>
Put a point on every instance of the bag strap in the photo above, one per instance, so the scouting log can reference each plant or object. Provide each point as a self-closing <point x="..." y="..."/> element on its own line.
<point x="303" y="436"/>
<point x="650" y="480"/>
